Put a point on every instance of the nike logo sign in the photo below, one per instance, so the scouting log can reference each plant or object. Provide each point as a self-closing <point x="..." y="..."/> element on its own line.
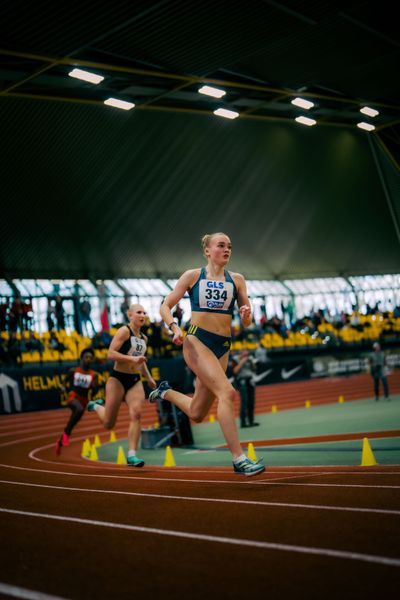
<point x="287" y="374"/>
<point x="257" y="378"/>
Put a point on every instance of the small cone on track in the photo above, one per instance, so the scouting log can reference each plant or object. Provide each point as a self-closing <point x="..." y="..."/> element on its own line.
<point x="211" y="419"/>
<point x="367" y="459"/>
<point x="93" y="453"/>
<point x="308" y="404"/>
<point x="169" y="458"/>
<point x="121" y="458"/>
<point x="113" y="437"/>
<point x="251" y="453"/>
<point x="97" y="441"/>
<point x="274" y="408"/>
<point x="341" y="399"/>
<point x="86" y="448"/>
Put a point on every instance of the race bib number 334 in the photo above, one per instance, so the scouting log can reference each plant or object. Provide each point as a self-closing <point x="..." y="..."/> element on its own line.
<point x="215" y="295"/>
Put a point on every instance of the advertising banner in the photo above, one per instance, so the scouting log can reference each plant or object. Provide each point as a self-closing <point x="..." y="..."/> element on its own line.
<point x="38" y="388"/>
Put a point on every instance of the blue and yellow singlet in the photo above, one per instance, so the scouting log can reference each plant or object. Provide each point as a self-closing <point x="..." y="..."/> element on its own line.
<point x="211" y="296"/>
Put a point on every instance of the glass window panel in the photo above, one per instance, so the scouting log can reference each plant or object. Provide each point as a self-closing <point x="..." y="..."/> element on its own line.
<point x="87" y="287"/>
<point x="20" y="287"/>
<point x="64" y="287"/>
<point x="5" y="289"/>
<point x="113" y="288"/>
<point x="30" y="286"/>
<point x="172" y="283"/>
<point x="376" y="282"/>
<point x="46" y="286"/>
<point x="132" y="286"/>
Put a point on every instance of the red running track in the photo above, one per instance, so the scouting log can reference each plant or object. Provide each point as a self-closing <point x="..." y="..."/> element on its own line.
<point x="77" y="529"/>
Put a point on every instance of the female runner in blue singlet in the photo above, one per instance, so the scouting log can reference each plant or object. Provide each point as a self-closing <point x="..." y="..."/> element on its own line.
<point x="213" y="292"/>
<point x="127" y="349"/>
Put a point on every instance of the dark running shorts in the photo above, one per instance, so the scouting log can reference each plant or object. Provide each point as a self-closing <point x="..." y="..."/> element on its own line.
<point x="218" y="344"/>
<point x="128" y="380"/>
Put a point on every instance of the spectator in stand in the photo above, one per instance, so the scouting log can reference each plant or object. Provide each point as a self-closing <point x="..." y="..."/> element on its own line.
<point x="51" y="315"/>
<point x="377" y="361"/>
<point x="27" y="314"/>
<point x="125" y="305"/>
<point x="33" y="344"/>
<point x="4" y="307"/>
<point x="15" y="318"/>
<point x="97" y="342"/>
<point x="84" y="311"/>
<point x="4" y="357"/>
<point x="55" y="344"/>
<point x="244" y="367"/>
<point x="355" y="321"/>
<point x="155" y="338"/>
<point x="59" y="313"/>
<point x="14" y="350"/>
<point x="101" y="340"/>
<point x="178" y="314"/>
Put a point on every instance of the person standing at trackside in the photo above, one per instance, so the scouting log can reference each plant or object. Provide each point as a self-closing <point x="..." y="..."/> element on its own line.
<point x="243" y="367"/>
<point x="80" y="381"/>
<point x="213" y="291"/>
<point x="377" y="361"/>
<point x="127" y="349"/>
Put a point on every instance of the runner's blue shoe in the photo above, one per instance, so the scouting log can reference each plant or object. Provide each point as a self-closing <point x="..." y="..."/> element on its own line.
<point x="92" y="404"/>
<point x="134" y="461"/>
<point x="248" y="467"/>
<point x="156" y="394"/>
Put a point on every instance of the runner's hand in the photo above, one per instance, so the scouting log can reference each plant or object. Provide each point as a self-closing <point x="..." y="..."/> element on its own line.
<point x="177" y="337"/>
<point x="139" y="360"/>
<point x="245" y="312"/>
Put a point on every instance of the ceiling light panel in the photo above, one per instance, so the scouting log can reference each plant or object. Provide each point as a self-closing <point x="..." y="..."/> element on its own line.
<point x="307" y="104"/>
<point x="86" y="76"/>
<point x="119" y="103"/>
<point x="306" y="121"/>
<point x="228" y="114"/>
<point x="211" y="91"/>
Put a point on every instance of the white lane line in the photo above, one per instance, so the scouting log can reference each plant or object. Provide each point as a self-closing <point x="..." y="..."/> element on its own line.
<point x="287" y="470"/>
<point x="246" y="481"/>
<point x="339" y="485"/>
<point x="54" y="428"/>
<point x="329" y="552"/>
<point x="217" y="500"/>
<point x="295" y="473"/>
<point x="90" y="429"/>
<point x="19" y="592"/>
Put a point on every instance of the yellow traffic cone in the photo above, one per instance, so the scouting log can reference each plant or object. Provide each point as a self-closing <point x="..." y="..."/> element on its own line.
<point x="367" y="458"/>
<point x="121" y="458"/>
<point x="211" y="419"/>
<point x="86" y="447"/>
<point x="97" y="441"/>
<point x="308" y="403"/>
<point x="274" y="408"/>
<point x="250" y="452"/>
<point x="156" y="425"/>
<point x="113" y="437"/>
<point x="169" y="458"/>
<point x="93" y="453"/>
<point x="341" y="399"/>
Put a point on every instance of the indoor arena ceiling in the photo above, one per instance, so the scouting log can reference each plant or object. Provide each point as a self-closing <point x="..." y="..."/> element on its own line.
<point x="93" y="191"/>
